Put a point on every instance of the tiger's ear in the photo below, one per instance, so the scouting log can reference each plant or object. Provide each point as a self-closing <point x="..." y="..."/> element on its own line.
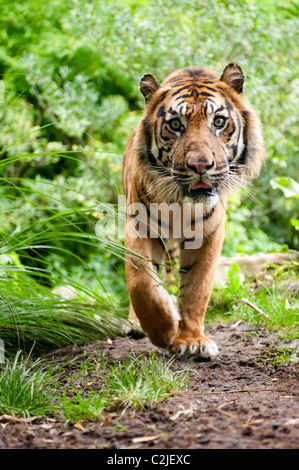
<point x="234" y="77"/>
<point x="148" y="85"/>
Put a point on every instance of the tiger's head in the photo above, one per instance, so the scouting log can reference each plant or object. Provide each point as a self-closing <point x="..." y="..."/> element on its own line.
<point x="198" y="135"/>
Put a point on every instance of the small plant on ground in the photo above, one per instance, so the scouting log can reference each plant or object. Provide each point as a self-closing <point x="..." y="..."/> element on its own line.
<point x="137" y="383"/>
<point x="142" y="380"/>
<point x="281" y="356"/>
<point x="27" y="389"/>
<point x="79" y="408"/>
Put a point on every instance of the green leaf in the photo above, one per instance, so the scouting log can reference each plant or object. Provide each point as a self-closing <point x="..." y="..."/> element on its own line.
<point x="289" y="187"/>
<point x="295" y="223"/>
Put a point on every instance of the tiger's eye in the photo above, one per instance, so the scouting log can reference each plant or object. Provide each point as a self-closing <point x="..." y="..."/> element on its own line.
<point x="175" y="124"/>
<point x="219" y="121"/>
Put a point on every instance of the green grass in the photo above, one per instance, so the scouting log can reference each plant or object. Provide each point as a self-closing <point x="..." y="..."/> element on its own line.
<point x="87" y="408"/>
<point x="143" y="380"/>
<point x="42" y="258"/>
<point x="27" y="389"/>
<point x="273" y="304"/>
<point x="281" y="356"/>
<point x="137" y="383"/>
<point x="31" y="314"/>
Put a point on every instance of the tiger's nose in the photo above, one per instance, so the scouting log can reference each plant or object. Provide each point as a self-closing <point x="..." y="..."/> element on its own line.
<point x="201" y="166"/>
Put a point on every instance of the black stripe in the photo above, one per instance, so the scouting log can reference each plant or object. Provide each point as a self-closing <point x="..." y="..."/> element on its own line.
<point x="180" y="90"/>
<point x="180" y="83"/>
<point x="187" y="269"/>
<point x="211" y="82"/>
<point x="205" y="216"/>
<point x="190" y="72"/>
<point x="147" y="133"/>
<point x="140" y="199"/>
<point x="160" y="153"/>
<point x="229" y="107"/>
<point x="210" y="213"/>
<point x="195" y="73"/>
<point x="176" y="79"/>
<point x="181" y="177"/>
<point x="161" y="111"/>
<point x="156" y="265"/>
<point x="212" y="78"/>
<point x="161" y="98"/>
<point x="173" y="112"/>
<point x="229" y="134"/>
<point x="243" y="156"/>
<point x="219" y="175"/>
<point x="151" y="158"/>
<point x="195" y="93"/>
<point x="198" y="87"/>
<point x="177" y="166"/>
<point x="208" y="88"/>
<point x="204" y="93"/>
<point x="221" y="108"/>
<point x="234" y="147"/>
<point x="220" y="167"/>
<point x="145" y="193"/>
<point x="156" y="133"/>
<point x="162" y="137"/>
<point x="203" y="110"/>
<point x="161" y="243"/>
<point x="156" y="220"/>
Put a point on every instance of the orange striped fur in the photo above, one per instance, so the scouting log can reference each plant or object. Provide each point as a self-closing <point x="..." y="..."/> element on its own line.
<point x="197" y="139"/>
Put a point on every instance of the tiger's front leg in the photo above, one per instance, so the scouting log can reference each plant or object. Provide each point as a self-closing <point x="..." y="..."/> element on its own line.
<point x="151" y="303"/>
<point x="198" y="270"/>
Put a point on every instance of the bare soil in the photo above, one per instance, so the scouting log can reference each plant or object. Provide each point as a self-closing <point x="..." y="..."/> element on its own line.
<point x="241" y="400"/>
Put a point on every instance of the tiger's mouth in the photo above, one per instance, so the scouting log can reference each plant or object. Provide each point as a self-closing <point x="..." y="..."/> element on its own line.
<point x="201" y="188"/>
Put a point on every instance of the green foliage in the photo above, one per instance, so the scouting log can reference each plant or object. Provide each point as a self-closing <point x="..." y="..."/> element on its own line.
<point x="278" y="308"/>
<point x="77" y="65"/>
<point x="288" y="186"/>
<point x="235" y="279"/>
<point x="50" y="295"/>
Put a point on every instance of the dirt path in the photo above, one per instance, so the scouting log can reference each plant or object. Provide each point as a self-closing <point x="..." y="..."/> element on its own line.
<point x="238" y="401"/>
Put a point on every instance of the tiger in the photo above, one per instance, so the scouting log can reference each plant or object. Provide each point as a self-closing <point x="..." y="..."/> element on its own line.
<point x="197" y="139"/>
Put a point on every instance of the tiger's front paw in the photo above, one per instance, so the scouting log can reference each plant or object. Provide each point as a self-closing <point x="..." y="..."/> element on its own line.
<point x="159" y="317"/>
<point x="201" y="345"/>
